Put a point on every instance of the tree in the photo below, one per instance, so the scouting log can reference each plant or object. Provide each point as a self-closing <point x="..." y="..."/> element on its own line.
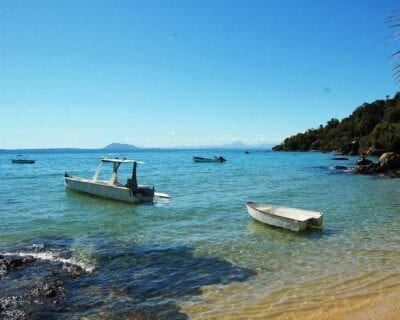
<point x="386" y="136"/>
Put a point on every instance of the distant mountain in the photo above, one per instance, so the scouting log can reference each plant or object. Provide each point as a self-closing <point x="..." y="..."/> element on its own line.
<point x="119" y="146"/>
<point x="241" y="145"/>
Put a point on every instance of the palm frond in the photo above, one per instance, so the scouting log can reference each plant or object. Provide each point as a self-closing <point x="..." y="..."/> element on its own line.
<point x="393" y="22"/>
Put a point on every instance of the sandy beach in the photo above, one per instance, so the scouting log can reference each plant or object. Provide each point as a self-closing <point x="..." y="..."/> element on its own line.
<point x="383" y="307"/>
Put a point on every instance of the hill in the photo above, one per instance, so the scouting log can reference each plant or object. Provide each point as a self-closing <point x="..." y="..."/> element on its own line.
<point x="372" y="128"/>
<point x="119" y="146"/>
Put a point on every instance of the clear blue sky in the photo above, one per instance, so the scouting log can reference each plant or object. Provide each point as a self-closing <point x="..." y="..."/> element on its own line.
<point x="173" y="73"/>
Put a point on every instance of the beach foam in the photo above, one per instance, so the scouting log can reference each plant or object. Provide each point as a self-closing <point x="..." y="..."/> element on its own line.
<point x="53" y="257"/>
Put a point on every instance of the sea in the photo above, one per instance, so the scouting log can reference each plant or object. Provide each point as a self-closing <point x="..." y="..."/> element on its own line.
<point x="199" y="255"/>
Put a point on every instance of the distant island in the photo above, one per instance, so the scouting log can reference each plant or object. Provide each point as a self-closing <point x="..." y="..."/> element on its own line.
<point x="372" y="129"/>
<point x="120" y="146"/>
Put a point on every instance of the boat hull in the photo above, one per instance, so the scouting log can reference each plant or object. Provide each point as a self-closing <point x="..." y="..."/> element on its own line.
<point x="201" y="159"/>
<point x="314" y="220"/>
<point x="23" y="161"/>
<point x="106" y="190"/>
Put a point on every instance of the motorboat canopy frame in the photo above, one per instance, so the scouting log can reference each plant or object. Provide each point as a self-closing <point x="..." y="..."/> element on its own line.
<point x="116" y="164"/>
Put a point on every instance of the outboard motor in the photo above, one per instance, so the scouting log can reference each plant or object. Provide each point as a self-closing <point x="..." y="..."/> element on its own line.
<point x="145" y="191"/>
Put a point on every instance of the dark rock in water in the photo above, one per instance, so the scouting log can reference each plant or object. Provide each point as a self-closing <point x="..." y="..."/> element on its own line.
<point x="3" y="267"/>
<point x="48" y="290"/>
<point x="363" y="161"/>
<point x="340" y="158"/>
<point x="17" y="262"/>
<point x="9" y="308"/>
<point x="30" y="288"/>
<point x="388" y="166"/>
<point x="373" y="168"/>
<point x="341" y="167"/>
<point x="9" y="263"/>
<point x="74" y="270"/>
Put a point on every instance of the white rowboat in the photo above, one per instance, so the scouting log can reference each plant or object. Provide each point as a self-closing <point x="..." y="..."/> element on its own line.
<point x="288" y="218"/>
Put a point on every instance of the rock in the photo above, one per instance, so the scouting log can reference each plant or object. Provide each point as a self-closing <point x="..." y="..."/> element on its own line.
<point x="341" y="168"/>
<point x="3" y="267"/>
<point x="17" y="262"/>
<point x="388" y="165"/>
<point x="373" y="168"/>
<point x="9" y="263"/>
<point x="374" y="152"/>
<point x="390" y="161"/>
<point x="48" y="290"/>
<point x="340" y="158"/>
<point x="363" y="161"/>
<point x="74" y="270"/>
<point x="9" y="308"/>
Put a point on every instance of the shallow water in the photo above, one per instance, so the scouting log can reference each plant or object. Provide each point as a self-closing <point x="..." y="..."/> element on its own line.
<point x="200" y="255"/>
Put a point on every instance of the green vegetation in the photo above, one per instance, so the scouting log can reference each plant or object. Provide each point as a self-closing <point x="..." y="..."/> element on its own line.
<point x="372" y="126"/>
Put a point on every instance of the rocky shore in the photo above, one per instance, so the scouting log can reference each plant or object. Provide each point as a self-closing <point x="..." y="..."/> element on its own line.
<point x="42" y="287"/>
<point x="387" y="166"/>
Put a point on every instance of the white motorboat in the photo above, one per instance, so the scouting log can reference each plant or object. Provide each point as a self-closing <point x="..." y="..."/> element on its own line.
<point x="113" y="189"/>
<point x="215" y="159"/>
<point x="288" y="218"/>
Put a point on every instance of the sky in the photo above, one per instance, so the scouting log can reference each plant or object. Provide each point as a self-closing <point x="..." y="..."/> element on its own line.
<point x="186" y="73"/>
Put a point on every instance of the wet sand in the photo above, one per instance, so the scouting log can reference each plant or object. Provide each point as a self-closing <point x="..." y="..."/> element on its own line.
<point x="383" y="307"/>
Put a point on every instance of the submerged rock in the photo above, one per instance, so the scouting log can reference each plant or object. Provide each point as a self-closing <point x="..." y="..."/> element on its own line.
<point x="9" y="308"/>
<point x="74" y="270"/>
<point x="8" y="263"/>
<point x="31" y="287"/>
<point x="340" y="158"/>
<point x="48" y="289"/>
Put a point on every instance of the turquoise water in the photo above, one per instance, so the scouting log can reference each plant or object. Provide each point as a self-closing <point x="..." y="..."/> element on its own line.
<point x="200" y="255"/>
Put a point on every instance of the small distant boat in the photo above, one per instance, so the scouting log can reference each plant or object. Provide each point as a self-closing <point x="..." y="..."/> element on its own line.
<point x="215" y="159"/>
<point x="113" y="189"/>
<point x="20" y="159"/>
<point x="288" y="218"/>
